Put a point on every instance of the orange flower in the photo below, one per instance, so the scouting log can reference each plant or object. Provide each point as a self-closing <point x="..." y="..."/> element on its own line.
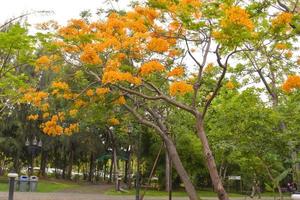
<point x="113" y="121"/>
<point x="60" y="85"/>
<point x="281" y="46"/>
<point x="236" y="15"/>
<point x="177" y="71"/>
<point x="90" y="56"/>
<point x="292" y="82"/>
<point x="229" y="85"/>
<point x="43" y="60"/>
<point x="282" y="19"/>
<point x="150" y="67"/>
<point x="73" y="112"/>
<point x="158" y="45"/>
<point x="121" y="100"/>
<point x="45" y="115"/>
<point x="45" y="107"/>
<point x="33" y="117"/>
<point x="115" y="76"/>
<point x="101" y="91"/>
<point x="90" y="92"/>
<point x="180" y="87"/>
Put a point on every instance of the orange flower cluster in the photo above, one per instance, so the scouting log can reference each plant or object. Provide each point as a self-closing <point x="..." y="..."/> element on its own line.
<point x="209" y="68"/>
<point x="288" y="54"/>
<point x="180" y="87"/>
<point x="90" y="56"/>
<point x="292" y="82"/>
<point x="150" y="67"/>
<point x="229" y="85"/>
<point x="113" y="121"/>
<point x="90" y="92"/>
<point x="75" y="28"/>
<point x="60" y="85"/>
<point x="158" y="45"/>
<point x="45" y="107"/>
<point x="35" y="97"/>
<point x="71" y="129"/>
<point x="51" y="127"/>
<point x="235" y="15"/>
<point x="115" y="76"/>
<point x="73" y="112"/>
<point x="33" y="117"/>
<point x="282" y="19"/>
<point x="101" y="91"/>
<point x="42" y="62"/>
<point x="79" y="103"/>
<point x="177" y="71"/>
<point x="121" y="100"/>
<point x="281" y="46"/>
<point x="112" y="65"/>
<point x="149" y="13"/>
<point x="46" y="115"/>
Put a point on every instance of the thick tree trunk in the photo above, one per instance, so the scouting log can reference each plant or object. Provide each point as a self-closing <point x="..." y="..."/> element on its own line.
<point x="172" y="151"/>
<point x="210" y="161"/>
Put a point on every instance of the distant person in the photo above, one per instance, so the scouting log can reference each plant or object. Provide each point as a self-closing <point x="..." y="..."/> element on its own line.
<point x="295" y="186"/>
<point x="290" y="187"/>
<point x="255" y="189"/>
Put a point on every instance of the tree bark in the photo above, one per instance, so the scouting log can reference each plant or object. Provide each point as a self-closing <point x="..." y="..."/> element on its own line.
<point x="167" y="175"/>
<point x="116" y="177"/>
<point x="91" y="171"/>
<point x="44" y="158"/>
<point x="70" y="164"/>
<point x="172" y="151"/>
<point x="189" y="187"/>
<point x="210" y="161"/>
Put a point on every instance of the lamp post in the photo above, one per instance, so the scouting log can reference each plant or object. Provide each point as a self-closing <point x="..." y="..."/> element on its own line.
<point x="33" y="148"/>
<point x="12" y="177"/>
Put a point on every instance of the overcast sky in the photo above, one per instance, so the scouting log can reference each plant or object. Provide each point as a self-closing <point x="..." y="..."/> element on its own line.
<point x="63" y="9"/>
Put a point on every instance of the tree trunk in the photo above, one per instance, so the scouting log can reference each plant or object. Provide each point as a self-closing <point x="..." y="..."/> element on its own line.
<point x="104" y="173"/>
<point x="91" y="171"/>
<point x="172" y="151"/>
<point x="129" y="171"/>
<point x="111" y="170"/>
<point x="70" y="164"/>
<point x="44" y="158"/>
<point x="167" y="175"/>
<point x="210" y="161"/>
<point x="116" y="177"/>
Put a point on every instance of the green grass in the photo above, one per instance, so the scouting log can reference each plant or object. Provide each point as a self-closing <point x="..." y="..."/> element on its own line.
<point x="163" y="193"/>
<point x="203" y="193"/>
<point x="45" y="185"/>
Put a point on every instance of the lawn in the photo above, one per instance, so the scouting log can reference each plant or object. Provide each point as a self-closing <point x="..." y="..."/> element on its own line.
<point x="44" y="185"/>
<point x="204" y="193"/>
<point x="163" y="193"/>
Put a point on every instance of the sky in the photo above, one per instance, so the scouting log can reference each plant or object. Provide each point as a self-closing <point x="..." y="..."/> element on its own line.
<point x="63" y="9"/>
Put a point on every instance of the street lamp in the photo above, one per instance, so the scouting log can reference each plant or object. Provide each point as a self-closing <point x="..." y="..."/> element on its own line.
<point x="33" y="148"/>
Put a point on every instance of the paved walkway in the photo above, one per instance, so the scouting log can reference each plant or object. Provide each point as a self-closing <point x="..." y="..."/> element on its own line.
<point x="83" y="196"/>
